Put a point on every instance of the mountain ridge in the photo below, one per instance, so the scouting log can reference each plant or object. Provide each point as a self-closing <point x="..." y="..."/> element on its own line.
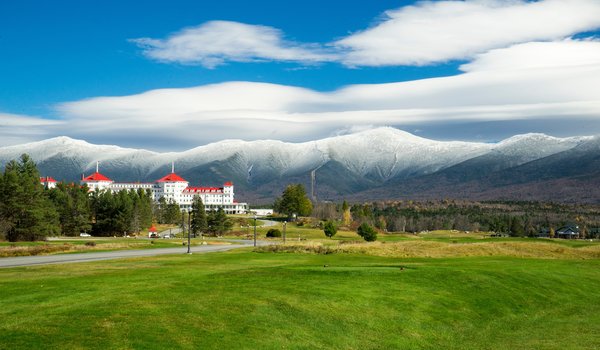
<point x="344" y="165"/>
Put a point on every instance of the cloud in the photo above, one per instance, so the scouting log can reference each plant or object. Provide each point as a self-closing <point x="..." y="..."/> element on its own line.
<point x="426" y="33"/>
<point x="537" y="55"/>
<point x="505" y="85"/>
<point x="217" y="42"/>
<point x="17" y="128"/>
<point x="439" y="31"/>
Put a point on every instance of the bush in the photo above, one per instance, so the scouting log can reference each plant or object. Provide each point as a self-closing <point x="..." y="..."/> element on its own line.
<point x="367" y="232"/>
<point x="330" y="229"/>
<point x="273" y="233"/>
<point x="90" y="244"/>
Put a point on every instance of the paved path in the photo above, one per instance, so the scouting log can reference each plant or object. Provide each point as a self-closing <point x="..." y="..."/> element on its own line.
<point x="119" y="254"/>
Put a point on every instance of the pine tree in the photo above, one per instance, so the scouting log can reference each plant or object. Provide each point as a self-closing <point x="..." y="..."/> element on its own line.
<point x="330" y="229"/>
<point x="294" y="201"/>
<point x="199" y="222"/>
<point x="367" y="232"/>
<point x="26" y="213"/>
<point x="516" y="227"/>
<point x="171" y="213"/>
<point x="73" y="205"/>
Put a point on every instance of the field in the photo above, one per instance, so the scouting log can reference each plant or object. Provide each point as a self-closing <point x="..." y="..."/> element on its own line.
<point x="340" y="300"/>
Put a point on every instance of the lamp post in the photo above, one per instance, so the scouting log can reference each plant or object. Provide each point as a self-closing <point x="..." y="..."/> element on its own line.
<point x="284" y="226"/>
<point x="189" y="232"/>
<point x="255" y="230"/>
<point x="183" y="225"/>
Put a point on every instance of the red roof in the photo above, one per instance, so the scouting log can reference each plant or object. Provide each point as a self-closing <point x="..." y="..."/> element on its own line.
<point x="96" y="177"/>
<point x="203" y="190"/>
<point x="228" y="183"/>
<point x="47" y="178"/>
<point x="152" y="229"/>
<point x="172" y="177"/>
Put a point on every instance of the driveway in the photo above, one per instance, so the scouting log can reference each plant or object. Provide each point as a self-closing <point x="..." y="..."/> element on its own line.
<point x="120" y="254"/>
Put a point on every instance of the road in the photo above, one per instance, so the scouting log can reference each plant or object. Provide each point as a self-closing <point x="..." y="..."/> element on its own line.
<point x="119" y="254"/>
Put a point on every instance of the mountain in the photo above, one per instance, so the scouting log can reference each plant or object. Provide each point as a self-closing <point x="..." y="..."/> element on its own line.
<point x="383" y="163"/>
<point x="566" y="170"/>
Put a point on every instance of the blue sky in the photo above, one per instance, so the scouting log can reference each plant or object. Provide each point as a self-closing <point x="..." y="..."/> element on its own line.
<point x="444" y="69"/>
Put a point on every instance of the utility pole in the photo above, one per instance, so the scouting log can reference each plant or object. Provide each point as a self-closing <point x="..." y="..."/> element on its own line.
<point x="284" y="226"/>
<point x="255" y="230"/>
<point x="189" y="232"/>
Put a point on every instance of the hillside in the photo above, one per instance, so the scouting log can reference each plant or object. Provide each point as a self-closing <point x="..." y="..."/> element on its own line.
<point x="382" y="163"/>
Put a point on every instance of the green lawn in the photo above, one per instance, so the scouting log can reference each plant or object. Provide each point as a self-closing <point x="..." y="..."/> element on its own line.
<point x="243" y="299"/>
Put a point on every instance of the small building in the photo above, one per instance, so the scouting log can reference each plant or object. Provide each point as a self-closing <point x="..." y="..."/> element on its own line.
<point x="48" y="182"/>
<point x="262" y="212"/>
<point x="152" y="232"/>
<point x="568" y="232"/>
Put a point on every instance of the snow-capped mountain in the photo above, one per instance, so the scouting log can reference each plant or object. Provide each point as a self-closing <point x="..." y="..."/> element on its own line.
<point x="341" y="164"/>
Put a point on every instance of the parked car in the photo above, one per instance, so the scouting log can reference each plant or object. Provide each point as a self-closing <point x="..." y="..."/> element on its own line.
<point x="83" y="234"/>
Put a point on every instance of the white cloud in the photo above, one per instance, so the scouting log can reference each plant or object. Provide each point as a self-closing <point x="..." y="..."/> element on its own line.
<point x="438" y="31"/>
<point x="426" y="33"/>
<point x="501" y="85"/>
<point x="537" y="55"/>
<point x="216" y="42"/>
<point x="17" y="128"/>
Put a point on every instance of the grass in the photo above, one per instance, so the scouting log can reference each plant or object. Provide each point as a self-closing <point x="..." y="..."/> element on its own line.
<point x="436" y="249"/>
<point x="244" y="299"/>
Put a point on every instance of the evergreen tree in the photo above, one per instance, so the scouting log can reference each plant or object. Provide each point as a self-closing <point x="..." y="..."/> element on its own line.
<point x="367" y="232"/>
<point x="160" y="210"/>
<point x="221" y="222"/>
<point x="294" y="201"/>
<point x="218" y="222"/>
<point x="172" y="213"/>
<point x="26" y="213"/>
<point x="199" y="221"/>
<point x="73" y="205"/>
<point x="146" y="204"/>
<point x="516" y="227"/>
<point x="330" y="229"/>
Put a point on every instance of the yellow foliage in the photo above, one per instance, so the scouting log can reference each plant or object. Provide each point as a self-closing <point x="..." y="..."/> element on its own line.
<point x="346" y="217"/>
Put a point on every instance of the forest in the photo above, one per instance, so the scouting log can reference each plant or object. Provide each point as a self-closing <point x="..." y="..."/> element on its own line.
<point x="508" y="217"/>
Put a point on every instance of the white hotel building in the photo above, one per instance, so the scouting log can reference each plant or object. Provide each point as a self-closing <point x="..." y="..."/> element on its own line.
<point x="174" y="188"/>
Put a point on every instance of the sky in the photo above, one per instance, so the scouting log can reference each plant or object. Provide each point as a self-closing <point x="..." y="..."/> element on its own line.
<point x="169" y="76"/>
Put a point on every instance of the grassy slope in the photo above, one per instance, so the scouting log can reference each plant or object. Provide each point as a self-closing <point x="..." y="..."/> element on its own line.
<point x="270" y="301"/>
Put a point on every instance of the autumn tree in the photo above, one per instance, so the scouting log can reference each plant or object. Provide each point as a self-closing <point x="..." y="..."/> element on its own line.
<point x="346" y="215"/>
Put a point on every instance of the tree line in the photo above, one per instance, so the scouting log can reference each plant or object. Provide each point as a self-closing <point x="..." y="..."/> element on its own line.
<point x="29" y="211"/>
<point x="510" y="217"/>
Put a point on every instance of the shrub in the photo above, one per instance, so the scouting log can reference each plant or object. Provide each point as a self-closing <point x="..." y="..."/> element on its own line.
<point x="367" y="232"/>
<point x="330" y="229"/>
<point x="90" y="244"/>
<point x="273" y="233"/>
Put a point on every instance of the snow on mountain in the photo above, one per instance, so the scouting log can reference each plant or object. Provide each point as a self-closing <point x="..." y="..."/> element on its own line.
<point x="388" y="152"/>
<point x="529" y="147"/>
<point x="378" y="154"/>
<point x="85" y="153"/>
